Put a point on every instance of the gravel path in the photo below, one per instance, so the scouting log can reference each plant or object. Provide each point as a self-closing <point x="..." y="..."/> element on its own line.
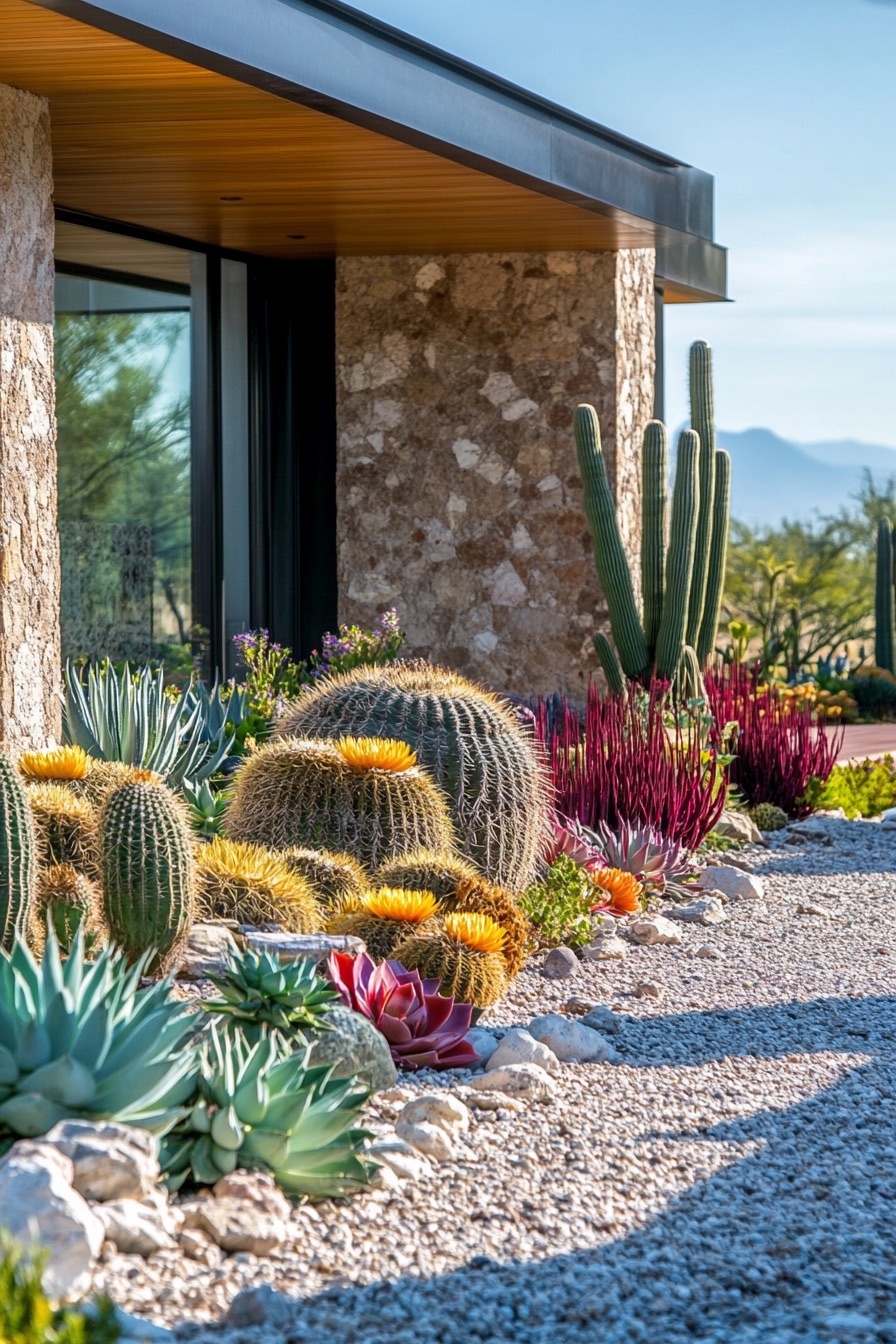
<point x="732" y="1178"/>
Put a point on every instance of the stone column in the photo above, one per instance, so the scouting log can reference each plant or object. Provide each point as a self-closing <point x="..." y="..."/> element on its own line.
<point x="459" y="498"/>
<point x="29" y="543"/>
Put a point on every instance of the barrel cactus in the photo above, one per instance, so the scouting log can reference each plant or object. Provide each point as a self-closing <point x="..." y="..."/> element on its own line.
<point x="65" y="901"/>
<point x="476" y="896"/>
<point x="18" y="855"/>
<point x="465" y="956"/>
<point x="469" y="740"/>
<point x="334" y="795"/>
<point x="384" y="918"/>
<point x="146" y="856"/>
<point x="253" y="885"/>
<point x="768" y="817"/>
<point x="426" y="870"/>
<point x="65" y="827"/>
<point x="333" y="877"/>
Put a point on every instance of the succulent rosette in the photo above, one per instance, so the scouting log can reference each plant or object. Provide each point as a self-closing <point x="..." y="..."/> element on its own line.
<point x="424" y="1029"/>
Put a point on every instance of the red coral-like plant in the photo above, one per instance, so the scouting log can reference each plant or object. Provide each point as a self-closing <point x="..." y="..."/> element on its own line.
<point x="780" y="746"/>
<point x="424" y="1029"/>
<point x="626" y="760"/>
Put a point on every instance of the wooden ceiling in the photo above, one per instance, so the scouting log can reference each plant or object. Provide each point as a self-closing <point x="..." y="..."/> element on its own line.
<point x="147" y="139"/>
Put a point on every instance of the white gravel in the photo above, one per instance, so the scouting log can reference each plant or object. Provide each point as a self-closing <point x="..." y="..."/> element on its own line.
<point x="731" y="1178"/>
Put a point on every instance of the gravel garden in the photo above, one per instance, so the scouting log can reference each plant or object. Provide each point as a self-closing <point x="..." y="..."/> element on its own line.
<point x="353" y="1001"/>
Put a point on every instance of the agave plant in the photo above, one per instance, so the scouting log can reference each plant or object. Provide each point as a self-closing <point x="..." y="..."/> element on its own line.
<point x="424" y="1029"/>
<point x="208" y="807"/>
<point x="659" y="864"/>
<point x="133" y="719"/>
<point x="79" y="1039"/>
<point x="263" y="1108"/>
<point x="570" y="839"/>
<point x="256" y="991"/>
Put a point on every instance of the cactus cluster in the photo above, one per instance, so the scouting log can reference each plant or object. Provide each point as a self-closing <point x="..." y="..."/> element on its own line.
<point x="295" y="792"/>
<point x="66" y="901"/>
<point x="65" y="827"/>
<point x="385" y="917"/>
<point x="682" y="579"/>
<point x="468" y="740"/>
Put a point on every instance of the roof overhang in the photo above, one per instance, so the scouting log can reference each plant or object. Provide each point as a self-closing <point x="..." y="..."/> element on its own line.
<point x="456" y="158"/>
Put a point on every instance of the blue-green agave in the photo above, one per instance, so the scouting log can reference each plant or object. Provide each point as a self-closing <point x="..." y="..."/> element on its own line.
<point x="83" y="1039"/>
<point x="263" y="1108"/>
<point x="256" y="991"/>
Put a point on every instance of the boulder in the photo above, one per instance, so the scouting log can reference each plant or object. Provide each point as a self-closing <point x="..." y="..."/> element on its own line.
<point x="38" y="1204"/>
<point x="355" y="1049"/>
<point x="602" y="1018"/>
<point x="263" y="1305"/>
<point x="571" y="1041"/>
<point x="733" y="883"/>
<point x="526" y="1082"/>
<point x="519" y="1046"/>
<point x="257" y="1188"/>
<point x="437" y="1108"/>
<point x="483" y="1042"/>
<point x="137" y="1229"/>
<point x="654" y="930"/>
<point x="235" y="1224"/>
<point x="605" y="949"/>
<point x="560" y="963"/>
<point x="431" y="1140"/>
<point x="110" y="1161"/>
<point x="207" y="951"/>
<point x="738" y="826"/>
<point x="401" y="1158"/>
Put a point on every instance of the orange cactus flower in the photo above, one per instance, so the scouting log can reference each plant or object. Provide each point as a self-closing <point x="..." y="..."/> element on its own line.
<point x="623" y="890"/>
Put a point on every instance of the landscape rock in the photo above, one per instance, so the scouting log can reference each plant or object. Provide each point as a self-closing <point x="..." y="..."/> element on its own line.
<point x="355" y="1048"/>
<point x="738" y="826"/>
<point x="821" y="910"/>
<point x="39" y="1204"/>
<point x="431" y="1140"/>
<point x="483" y="1042"/>
<point x="707" y="950"/>
<point x="496" y="1101"/>
<point x="647" y="989"/>
<point x="578" y="1007"/>
<point x="207" y="951"/>
<point x="605" y="949"/>
<point x="197" y="1246"/>
<point x="259" y="1306"/>
<point x="256" y="1188"/>
<point x="602" y="1018"/>
<point x="134" y="1330"/>
<point x="733" y="883"/>
<point x="235" y="1224"/>
<point x="527" y="1082"/>
<point x="519" y="1046"/>
<point x="135" y="1228"/>
<point x="654" y="930"/>
<point x="573" y="1042"/>
<point x="437" y="1108"/>
<point x="110" y="1161"/>
<point x="704" y="910"/>
<point x="560" y="963"/>
<point x="399" y="1157"/>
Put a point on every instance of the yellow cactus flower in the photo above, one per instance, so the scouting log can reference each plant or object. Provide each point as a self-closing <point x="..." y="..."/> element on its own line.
<point x="411" y="907"/>
<point x="57" y="763"/>
<point x="476" y="931"/>
<point x="376" y="753"/>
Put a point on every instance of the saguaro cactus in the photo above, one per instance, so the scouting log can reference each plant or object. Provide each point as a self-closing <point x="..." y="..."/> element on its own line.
<point x="884" y="599"/>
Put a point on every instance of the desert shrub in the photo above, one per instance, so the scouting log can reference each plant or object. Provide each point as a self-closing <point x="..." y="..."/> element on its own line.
<point x="864" y="789"/>
<point x="27" y="1316"/>
<point x="559" y="907"/>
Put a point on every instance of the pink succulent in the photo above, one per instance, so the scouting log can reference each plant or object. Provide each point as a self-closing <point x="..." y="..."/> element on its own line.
<point x="424" y="1029"/>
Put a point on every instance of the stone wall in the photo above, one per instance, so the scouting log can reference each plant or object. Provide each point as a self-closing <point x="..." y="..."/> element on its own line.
<point x="459" y="499"/>
<point x="29" y="544"/>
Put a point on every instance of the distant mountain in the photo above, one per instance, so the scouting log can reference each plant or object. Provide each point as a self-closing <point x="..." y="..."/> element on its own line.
<point x="772" y="478"/>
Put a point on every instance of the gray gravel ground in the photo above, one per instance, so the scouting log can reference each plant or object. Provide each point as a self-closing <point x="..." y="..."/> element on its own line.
<point x="731" y="1179"/>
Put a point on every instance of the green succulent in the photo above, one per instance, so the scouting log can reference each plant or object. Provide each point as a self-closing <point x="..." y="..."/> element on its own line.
<point x="79" y="1039"/>
<point x="207" y="808"/>
<point x="257" y="991"/>
<point x="263" y="1108"/>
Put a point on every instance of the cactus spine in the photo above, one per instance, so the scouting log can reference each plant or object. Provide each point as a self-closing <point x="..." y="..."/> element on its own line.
<point x="689" y="575"/>
<point x="609" y="552"/>
<point x="883" y="599"/>
<point x="147" y="866"/>
<point x="18" y="861"/>
<point x="680" y="562"/>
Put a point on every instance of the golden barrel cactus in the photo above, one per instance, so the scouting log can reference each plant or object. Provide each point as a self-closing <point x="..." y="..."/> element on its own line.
<point x="383" y="918"/>
<point x="253" y="885"/>
<point x="336" y="878"/>
<point x="465" y="956"/>
<point x="65" y="827"/>
<point x="432" y="870"/>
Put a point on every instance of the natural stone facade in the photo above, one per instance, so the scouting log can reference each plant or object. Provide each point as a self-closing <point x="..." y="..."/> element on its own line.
<point x="29" y="544"/>
<point x="459" y="499"/>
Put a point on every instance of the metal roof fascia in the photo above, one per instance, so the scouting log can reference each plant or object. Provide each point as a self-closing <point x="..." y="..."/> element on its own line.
<point x="349" y="65"/>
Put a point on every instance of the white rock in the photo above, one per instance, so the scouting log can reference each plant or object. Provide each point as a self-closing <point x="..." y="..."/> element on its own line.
<point x="561" y="963"/>
<point x="654" y="930"/>
<point x="738" y="826"/>
<point x="705" y="910"/>
<point x="429" y="1139"/>
<point x="263" y="1305"/>
<point x="821" y="910"/>
<point x="256" y="1188"/>
<point x="605" y="949"/>
<point x="110" y="1161"/>
<point x="197" y="1246"/>
<point x="400" y="1158"/>
<point x="483" y="1042"/>
<point x="137" y="1331"/>
<point x="136" y="1229"/>
<point x="496" y="1101"/>
<point x="38" y="1204"/>
<point x="235" y="1225"/>
<point x="529" y="1082"/>
<point x="570" y="1040"/>
<point x="733" y="883"/>
<point x="519" y="1046"/>
<point x="437" y="1108"/>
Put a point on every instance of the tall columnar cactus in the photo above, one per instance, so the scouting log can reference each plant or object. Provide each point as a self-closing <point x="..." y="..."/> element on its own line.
<point x="469" y="741"/>
<point x="146" y="854"/>
<point x="883" y="599"/>
<point x="683" y="578"/>
<point x="295" y="792"/>
<point x="18" y="855"/>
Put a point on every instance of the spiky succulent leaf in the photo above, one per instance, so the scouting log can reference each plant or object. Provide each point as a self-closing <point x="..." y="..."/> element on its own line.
<point x="257" y="991"/>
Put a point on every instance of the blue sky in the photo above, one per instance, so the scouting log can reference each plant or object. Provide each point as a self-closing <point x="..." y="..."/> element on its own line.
<point x="791" y="105"/>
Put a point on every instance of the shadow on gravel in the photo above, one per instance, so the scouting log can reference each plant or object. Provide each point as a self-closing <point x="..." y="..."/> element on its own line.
<point x="791" y="1243"/>
<point x="831" y="848"/>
